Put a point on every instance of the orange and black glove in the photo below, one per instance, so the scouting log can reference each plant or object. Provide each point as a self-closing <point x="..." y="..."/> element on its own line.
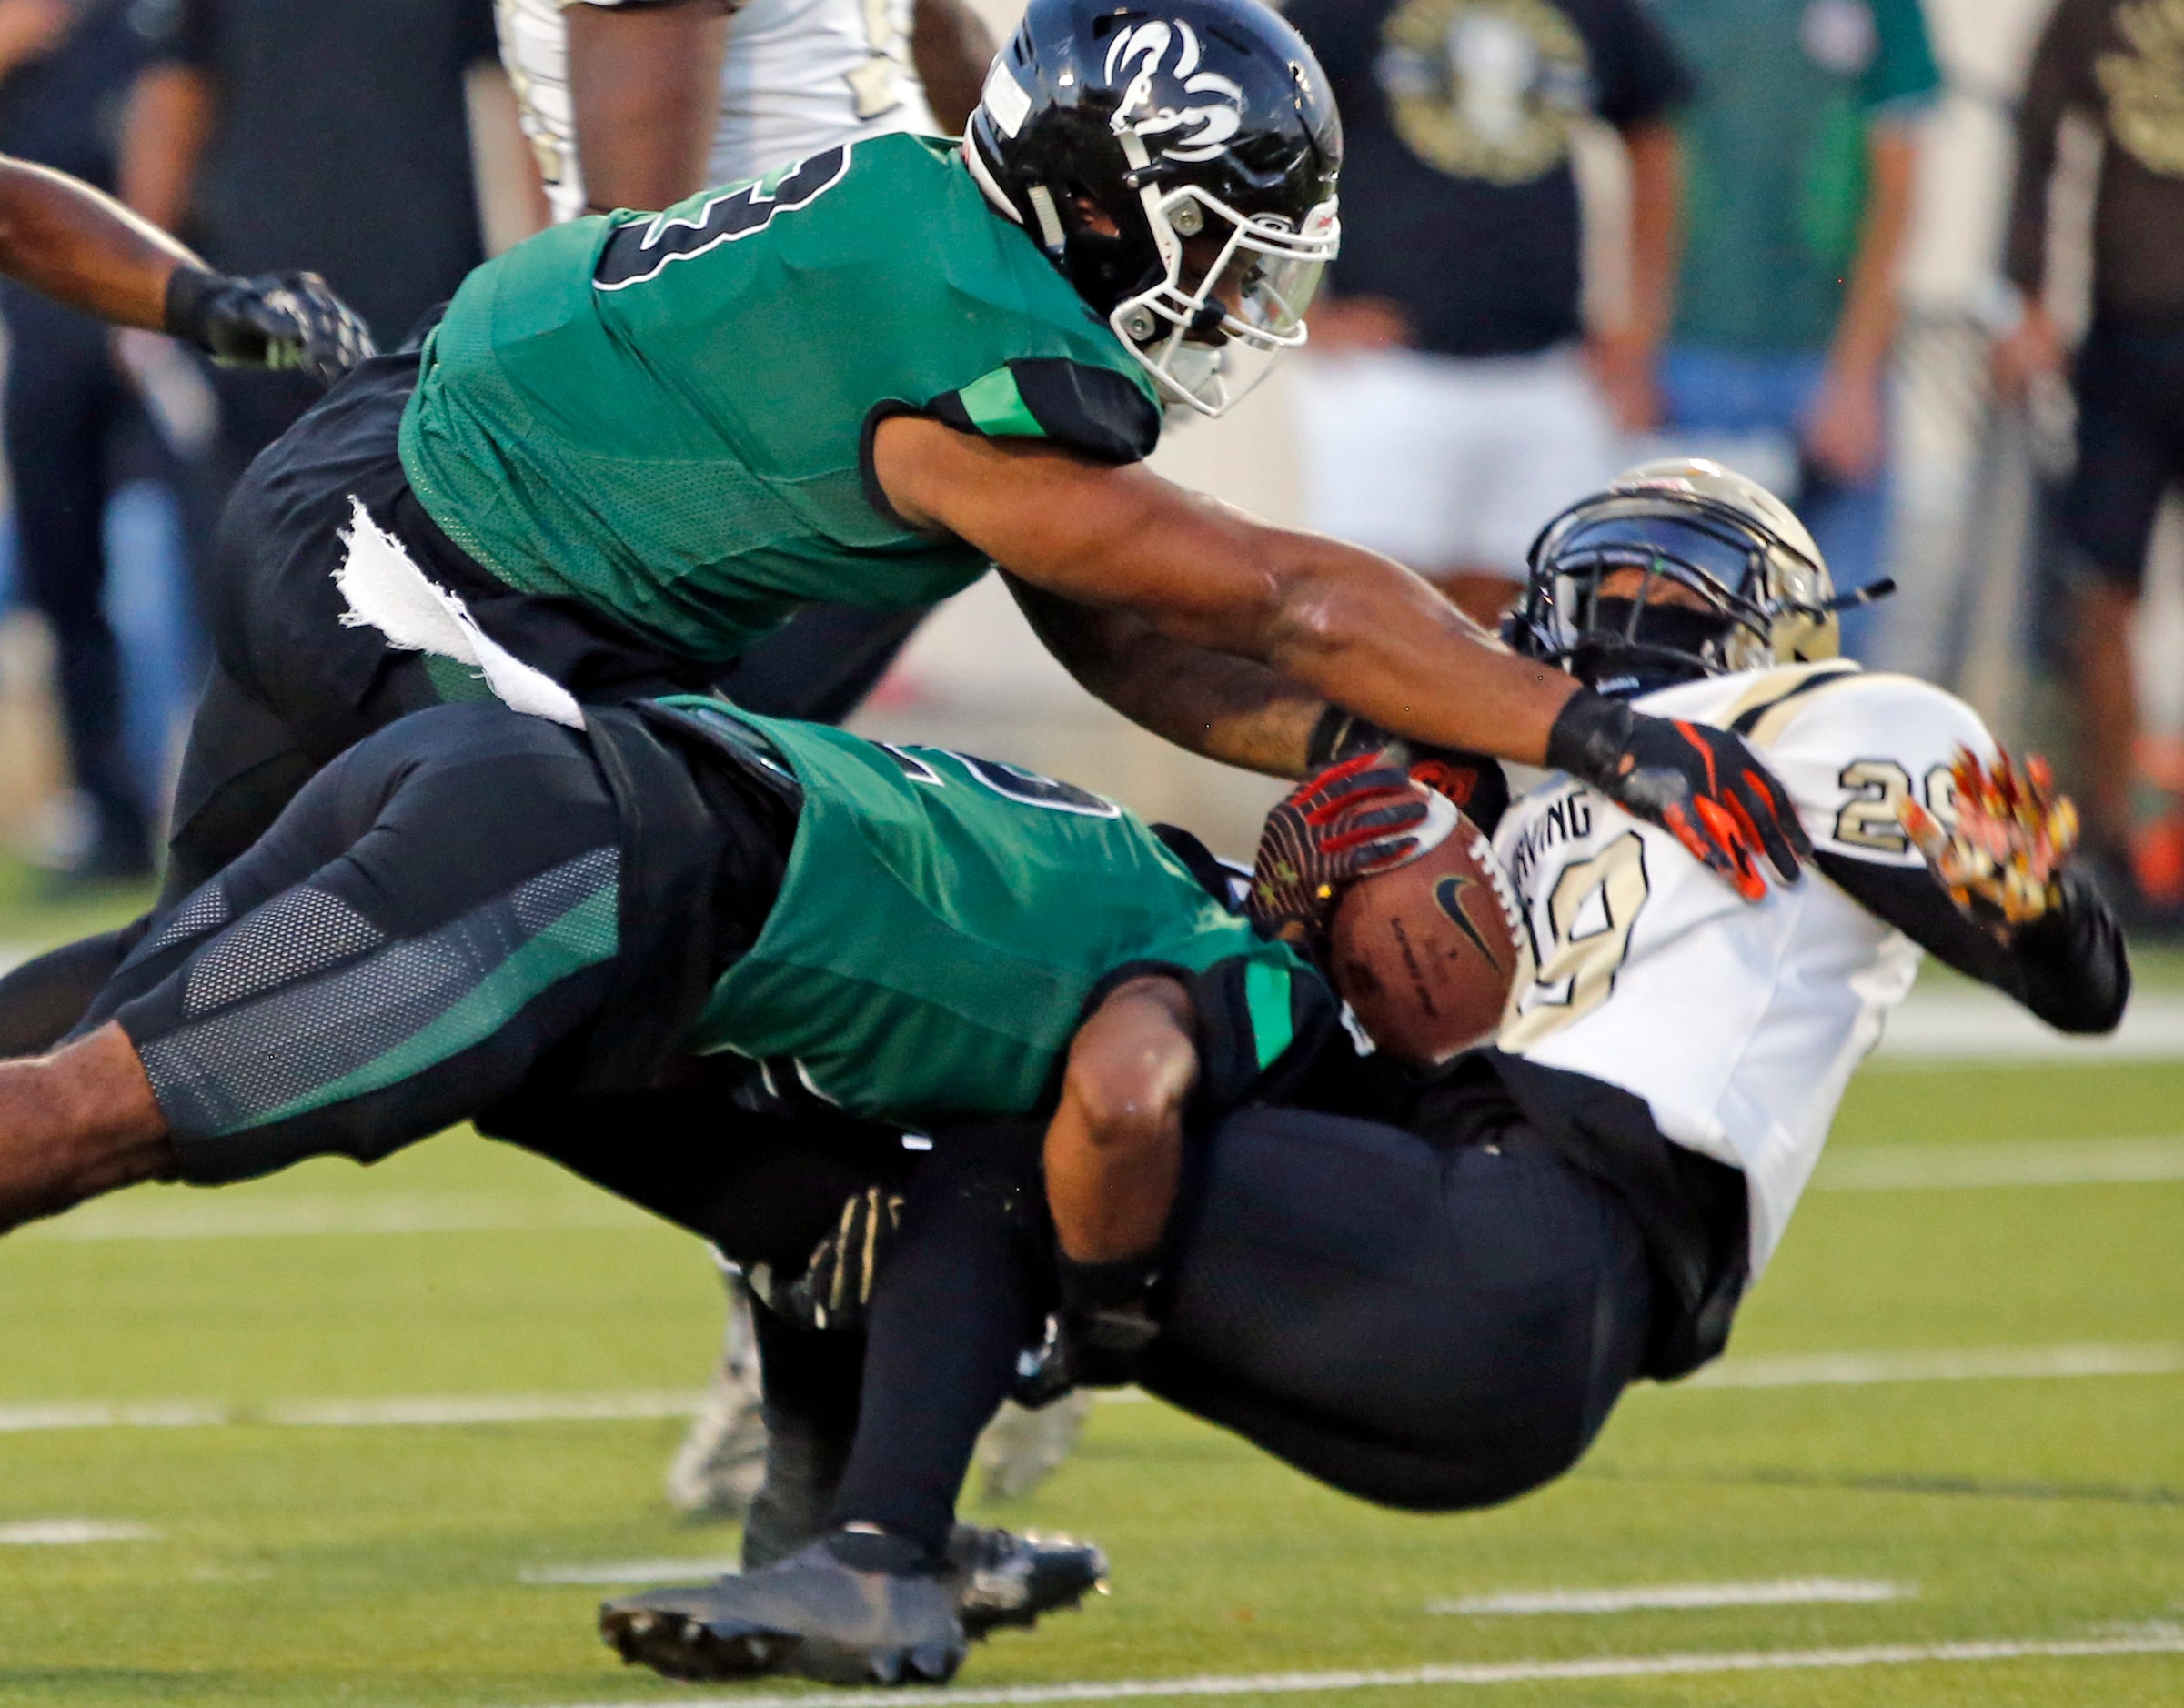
<point x="1703" y="786"/>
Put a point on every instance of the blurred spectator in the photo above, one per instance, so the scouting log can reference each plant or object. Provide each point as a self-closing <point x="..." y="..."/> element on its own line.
<point x="2119" y="63"/>
<point x="1799" y="155"/>
<point x="322" y="135"/>
<point x="65" y="67"/>
<point x="641" y="102"/>
<point x="1451" y="409"/>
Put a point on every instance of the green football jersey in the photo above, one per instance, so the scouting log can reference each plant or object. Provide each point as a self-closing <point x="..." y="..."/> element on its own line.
<point x="944" y="920"/>
<point x="669" y="418"/>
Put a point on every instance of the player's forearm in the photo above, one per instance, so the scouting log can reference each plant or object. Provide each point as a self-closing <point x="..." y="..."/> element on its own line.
<point x="644" y="83"/>
<point x="62" y="238"/>
<point x="1224" y="708"/>
<point x="950" y="46"/>
<point x="1113" y="1151"/>
<point x="169" y="121"/>
<point x="1866" y="331"/>
<point x="1365" y="634"/>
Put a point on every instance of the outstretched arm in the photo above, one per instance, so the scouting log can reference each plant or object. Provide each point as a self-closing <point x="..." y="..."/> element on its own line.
<point x="1344" y="625"/>
<point x="67" y="241"/>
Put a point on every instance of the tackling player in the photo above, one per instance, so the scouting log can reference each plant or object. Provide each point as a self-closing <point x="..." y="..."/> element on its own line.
<point x="635" y="445"/>
<point x="1429" y="1290"/>
<point x="67" y="241"/>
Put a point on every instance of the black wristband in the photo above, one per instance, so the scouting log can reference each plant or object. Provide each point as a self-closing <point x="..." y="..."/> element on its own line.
<point x="1088" y="1289"/>
<point x="1589" y="735"/>
<point x="188" y="290"/>
<point x="1341" y="734"/>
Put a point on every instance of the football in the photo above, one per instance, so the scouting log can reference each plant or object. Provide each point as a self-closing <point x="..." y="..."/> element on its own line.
<point x="1424" y="955"/>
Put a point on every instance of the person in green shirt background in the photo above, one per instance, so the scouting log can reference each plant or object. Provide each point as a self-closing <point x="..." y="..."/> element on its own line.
<point x="1799" y="154"/>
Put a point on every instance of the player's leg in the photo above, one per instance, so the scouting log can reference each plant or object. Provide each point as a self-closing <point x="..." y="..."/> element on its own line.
<point x="2106" y="517"/>
<point x="875" y="1596"/>
<point x="1428" y="1326"/>
<point x="63" y="401"/>
<point x="395" y="954"/>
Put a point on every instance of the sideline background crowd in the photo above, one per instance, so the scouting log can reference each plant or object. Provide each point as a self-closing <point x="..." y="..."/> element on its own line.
<point x="1578" y="231"/>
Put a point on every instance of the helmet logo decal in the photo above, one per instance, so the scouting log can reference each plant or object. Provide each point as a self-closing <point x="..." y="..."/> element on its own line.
<point x="1140" y="54"/>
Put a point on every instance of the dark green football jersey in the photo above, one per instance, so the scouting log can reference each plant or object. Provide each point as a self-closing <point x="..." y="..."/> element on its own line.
<point x="668" y="417"/>
<point x="945" y="920"/>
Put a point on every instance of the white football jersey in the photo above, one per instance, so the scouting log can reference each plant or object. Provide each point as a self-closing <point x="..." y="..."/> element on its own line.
<point x="801" y="76"/>
<point x="1739" y="1023"/>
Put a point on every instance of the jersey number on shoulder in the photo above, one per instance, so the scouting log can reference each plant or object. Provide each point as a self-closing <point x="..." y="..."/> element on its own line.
<point x="1590" y="913"/>
<point x="875" y="86"/>
<point x="638" y="252"/>
<point x="1877" y="787"/>
<point x="1013" y="782"/>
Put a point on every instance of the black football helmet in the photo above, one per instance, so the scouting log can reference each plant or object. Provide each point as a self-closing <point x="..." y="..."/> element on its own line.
<point x="1763" y="595"/>
<point x="1176" y="159"/>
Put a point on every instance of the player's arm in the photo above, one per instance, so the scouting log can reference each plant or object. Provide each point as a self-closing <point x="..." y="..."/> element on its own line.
<point x="1898" y="781"/>
<point x="1115" y="1148"/>
<point x="950" y="46"/>
<point x="66" y="240"/>
<point x="1347" y="625"/>
<point x="644" y="85"/>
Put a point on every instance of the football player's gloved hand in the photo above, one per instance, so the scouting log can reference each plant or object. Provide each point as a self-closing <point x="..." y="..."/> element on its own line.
<point x="1352" y="820"/>
<point x="836" y="1283"/>
<point x="1703" y="786"/>
<point x="2002" y="859"/>
<point x="1474" y="782"/>
<point x="278" y="320"/>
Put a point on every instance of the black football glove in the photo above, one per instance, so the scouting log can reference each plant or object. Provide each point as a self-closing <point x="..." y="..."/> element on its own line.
<point x="1352" y="820"/>
<point x="277" y="320"/>
<point x="1703" y="786"/>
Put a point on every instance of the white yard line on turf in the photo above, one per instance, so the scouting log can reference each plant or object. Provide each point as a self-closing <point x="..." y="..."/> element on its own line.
<point x="422" y="1411"/>
<point x="1677" y="1597"/>
<point x="2160" y="1640"/>
<point x="2011" y="1162"/>
<point x="1978" y="1363"/>
<point x="71" y="1533"/>
<point x="1801" y="1370"/>
<point x="171" y="1214"/>
<point x="632" y="1571"/>
<point x="1962" y="1024"/>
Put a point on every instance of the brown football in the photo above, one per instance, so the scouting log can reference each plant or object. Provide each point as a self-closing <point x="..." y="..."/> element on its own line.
<point x="1424" y="955"/>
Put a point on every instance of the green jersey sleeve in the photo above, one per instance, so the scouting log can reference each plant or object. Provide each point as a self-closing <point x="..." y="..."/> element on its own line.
<point x="668" y="417"/>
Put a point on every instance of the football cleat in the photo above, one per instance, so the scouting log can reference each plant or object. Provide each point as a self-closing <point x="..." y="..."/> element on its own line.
<point x="1023" y="1446"/>
<point x="810" y="1616"/>
<point x="1000" y="1579"/>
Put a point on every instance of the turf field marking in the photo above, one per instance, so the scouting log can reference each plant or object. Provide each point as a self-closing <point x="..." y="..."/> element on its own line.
<point x="419" y="1410"/>
<point x="1806" y="1370"/>
<point x="1972" y="1025"/>
<point x="68" y="1532"/>
<point x="2017" y="1162"/>
<point x="630" y="1572"/>
<point x="1677" y="1597"/>
<point x="171" y="1215"/>
<point x="2160" y="1640"/>
<point x="1980" y="1363"/>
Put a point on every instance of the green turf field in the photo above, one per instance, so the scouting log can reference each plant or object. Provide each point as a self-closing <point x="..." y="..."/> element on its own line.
<point x="256" y="1395"/>
<point x="287" y="1554"/>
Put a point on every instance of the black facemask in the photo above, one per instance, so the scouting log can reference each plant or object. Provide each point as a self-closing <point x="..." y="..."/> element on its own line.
<point x="1672" y="643"/>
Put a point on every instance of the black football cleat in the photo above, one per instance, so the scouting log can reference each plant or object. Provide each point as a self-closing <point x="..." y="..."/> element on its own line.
<point x="809" y="1615"/>
<point x="1000" y="1579"/>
